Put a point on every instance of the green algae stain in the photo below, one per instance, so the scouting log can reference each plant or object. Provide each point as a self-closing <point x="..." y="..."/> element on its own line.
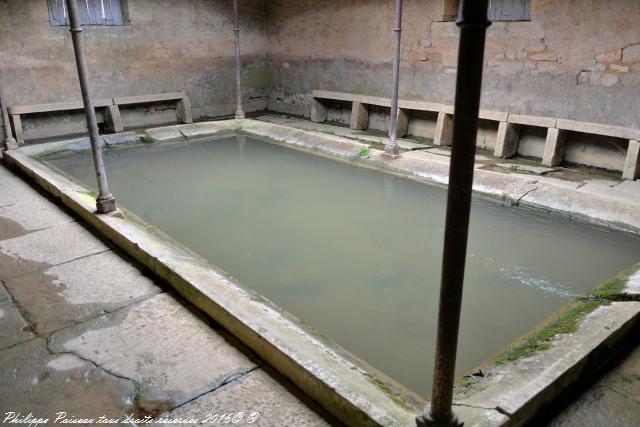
<point x="540" y="340"/>
<point x="569" y="320"/>
<point x="260" y="77"/>
<point x="386" y="389"/>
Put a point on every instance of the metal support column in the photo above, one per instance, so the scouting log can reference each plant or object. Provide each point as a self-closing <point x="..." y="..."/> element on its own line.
<point x="391" y="148"/>
<point x="9" y="142"/>
<point x="239" y="114"/>
<point x="473" y="24"/>
<point x="105" y="202"/>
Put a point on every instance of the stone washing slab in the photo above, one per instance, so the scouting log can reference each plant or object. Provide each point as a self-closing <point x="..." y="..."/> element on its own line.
<point x="159" y="343"/>
<point x="121" y="138"/>
<point x="596" y="206"/>
<point x="537" y="170"/>
<point x="259" y="397"/>
<point x="197" y="130"/>
<point x="522" y="389"/>
<point x="35" y="214"/>
<point x="44" y="384"/>
<point x="167" y="133"/>
<point x="75" y="291"/>
<point x="51" y="246"/>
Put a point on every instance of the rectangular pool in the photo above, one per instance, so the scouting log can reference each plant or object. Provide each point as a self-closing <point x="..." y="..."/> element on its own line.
<point x="356" y="253"/>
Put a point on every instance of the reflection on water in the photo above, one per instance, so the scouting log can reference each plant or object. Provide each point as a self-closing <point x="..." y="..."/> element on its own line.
<point x="356" y="253"/>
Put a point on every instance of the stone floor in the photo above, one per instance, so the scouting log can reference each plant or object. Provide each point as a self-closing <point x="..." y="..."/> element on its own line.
<point x="614" y="399"/>
<point x="84" y="331"/>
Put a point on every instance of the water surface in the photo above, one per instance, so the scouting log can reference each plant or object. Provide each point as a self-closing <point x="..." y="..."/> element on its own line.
<point x="357" y="253"/>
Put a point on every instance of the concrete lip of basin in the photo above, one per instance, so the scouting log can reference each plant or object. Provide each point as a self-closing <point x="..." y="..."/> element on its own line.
<point x="517" y="383"/>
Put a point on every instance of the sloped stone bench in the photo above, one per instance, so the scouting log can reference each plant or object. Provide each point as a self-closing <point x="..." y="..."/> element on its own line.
<point x="509" y="125"/>
<point x="111" y="115"/>
<point x="360" y="110"/>
<point x="183" y="105"/>
<point x="110" y="108"/>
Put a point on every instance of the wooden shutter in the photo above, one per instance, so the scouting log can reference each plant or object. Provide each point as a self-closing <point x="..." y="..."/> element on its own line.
<point x="113" y="12"/>
<point x="57" y="15"/>
<point x="92" y="12"/>
<point x="510" y="10"/>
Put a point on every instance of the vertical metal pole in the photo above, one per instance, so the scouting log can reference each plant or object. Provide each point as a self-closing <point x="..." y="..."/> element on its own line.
<point x="9" y="142"/>
<point x="473" y="24"/>
<point x="391" y="148"/>
<point x="105" y="202"/>
<point x="239" y="113"/>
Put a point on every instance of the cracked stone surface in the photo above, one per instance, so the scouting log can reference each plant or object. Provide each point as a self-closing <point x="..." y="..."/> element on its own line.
<point x="32" y="380"/>
<point x="254" y="392"/>
<point x="159" y="343"/>
<point x="69" y="293"/>
<point x="51" y="246"/>
<point x="13" y="328"/>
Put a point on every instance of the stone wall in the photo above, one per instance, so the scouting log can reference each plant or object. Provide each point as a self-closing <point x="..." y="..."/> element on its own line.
<point x="166" y="46"/>
<point x="577" y="59"/>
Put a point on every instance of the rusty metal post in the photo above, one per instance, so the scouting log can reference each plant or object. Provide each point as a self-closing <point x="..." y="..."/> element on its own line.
<point x="391" y="148"/>
<point x="239" y="114"/>
<point x="9" y="141"/>
<point x="473" y="24"/>
<point x="105" y="202"/>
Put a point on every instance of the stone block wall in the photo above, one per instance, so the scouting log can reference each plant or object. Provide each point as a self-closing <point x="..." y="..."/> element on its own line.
<point x="577" y="59"/>
<point x="165" y="46"/>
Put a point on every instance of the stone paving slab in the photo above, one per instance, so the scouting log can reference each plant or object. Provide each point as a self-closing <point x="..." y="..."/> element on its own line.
<point x="259" y="397"/>
<point x="46" y="248"/>
<point x="35" y="214"/>
<point x="32" y="380"/>
<point x="161" y="344"/>
<point x="72" y="292"/>
<point x="13" y="327"/>
<point x="14" y="190"/>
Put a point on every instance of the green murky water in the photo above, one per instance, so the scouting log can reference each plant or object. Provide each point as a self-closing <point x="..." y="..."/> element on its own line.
<point x="356" y="253"/>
